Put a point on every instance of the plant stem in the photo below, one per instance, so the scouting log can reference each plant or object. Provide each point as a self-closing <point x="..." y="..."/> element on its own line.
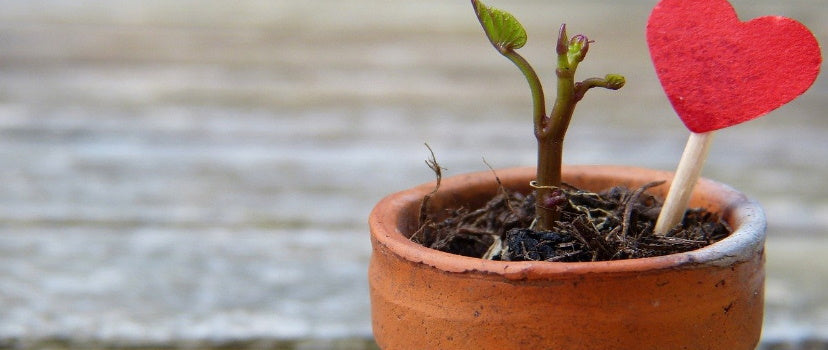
<point x="551" y="137"/>
<point x="552" y="129"/>
<point x="550" y="149"/>
<point x="549" y="132"/>
<point x="538" y="101"/>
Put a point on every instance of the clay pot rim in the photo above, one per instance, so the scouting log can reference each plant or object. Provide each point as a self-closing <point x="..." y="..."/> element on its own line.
<point x="745" y="216"/>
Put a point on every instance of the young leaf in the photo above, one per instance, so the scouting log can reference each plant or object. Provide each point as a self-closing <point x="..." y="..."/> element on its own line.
<point x="503" y="30"/>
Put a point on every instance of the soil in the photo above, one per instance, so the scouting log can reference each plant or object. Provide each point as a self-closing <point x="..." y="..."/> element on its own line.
<point x="610" y="225"/>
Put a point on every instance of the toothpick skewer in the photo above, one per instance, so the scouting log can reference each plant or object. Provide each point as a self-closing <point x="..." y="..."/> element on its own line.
<point x="687" y="174"/>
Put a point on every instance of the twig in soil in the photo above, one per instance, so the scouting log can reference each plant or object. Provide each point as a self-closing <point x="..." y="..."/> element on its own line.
<point x="438" y="172"/>
<point x="497" y="245"/>
<point x="500" y="187"/>
<point x="630" y="205"/>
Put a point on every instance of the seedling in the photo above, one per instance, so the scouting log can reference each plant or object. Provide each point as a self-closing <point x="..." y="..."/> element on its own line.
<point x="507" y="35"/>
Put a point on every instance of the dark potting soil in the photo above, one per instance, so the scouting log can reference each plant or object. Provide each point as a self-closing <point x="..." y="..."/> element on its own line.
<point x="610" y="225"/>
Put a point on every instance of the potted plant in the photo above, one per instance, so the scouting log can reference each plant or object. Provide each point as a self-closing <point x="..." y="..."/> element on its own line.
<point x="707" y="297"/>
<point x="421" y="298"/>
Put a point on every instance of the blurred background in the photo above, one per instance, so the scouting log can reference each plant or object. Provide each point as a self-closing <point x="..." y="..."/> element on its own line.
<point x="198" y="173"/>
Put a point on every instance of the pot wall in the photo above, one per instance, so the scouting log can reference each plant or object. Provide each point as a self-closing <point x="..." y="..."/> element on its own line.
<point x="421" y="298"/>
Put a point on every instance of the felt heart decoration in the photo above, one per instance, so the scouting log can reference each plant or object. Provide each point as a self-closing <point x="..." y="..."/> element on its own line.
<point x="718" y="71"/>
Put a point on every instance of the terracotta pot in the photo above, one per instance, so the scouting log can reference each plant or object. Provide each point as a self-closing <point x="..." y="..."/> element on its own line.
<point x="711" y="298"/>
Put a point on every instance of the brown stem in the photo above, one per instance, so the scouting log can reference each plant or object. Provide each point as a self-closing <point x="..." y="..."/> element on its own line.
<point x="548" y="177"/>
<point x="550" y="149"/>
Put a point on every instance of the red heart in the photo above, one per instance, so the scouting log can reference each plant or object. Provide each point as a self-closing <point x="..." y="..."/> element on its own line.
<point x="718" y="71"/>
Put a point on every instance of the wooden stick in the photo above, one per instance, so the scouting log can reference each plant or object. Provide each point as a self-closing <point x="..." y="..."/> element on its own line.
<point x="687" y="174"/>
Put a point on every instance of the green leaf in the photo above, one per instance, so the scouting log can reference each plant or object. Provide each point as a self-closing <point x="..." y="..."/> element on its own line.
<point x="503" y="30"/>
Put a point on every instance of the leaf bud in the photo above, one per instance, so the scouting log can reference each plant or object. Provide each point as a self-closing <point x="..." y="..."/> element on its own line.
<point x="563" y="42"/>
<point x="554" y="199"/>
<point x="578" y="48"/>
<point x="615" y="81"/>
